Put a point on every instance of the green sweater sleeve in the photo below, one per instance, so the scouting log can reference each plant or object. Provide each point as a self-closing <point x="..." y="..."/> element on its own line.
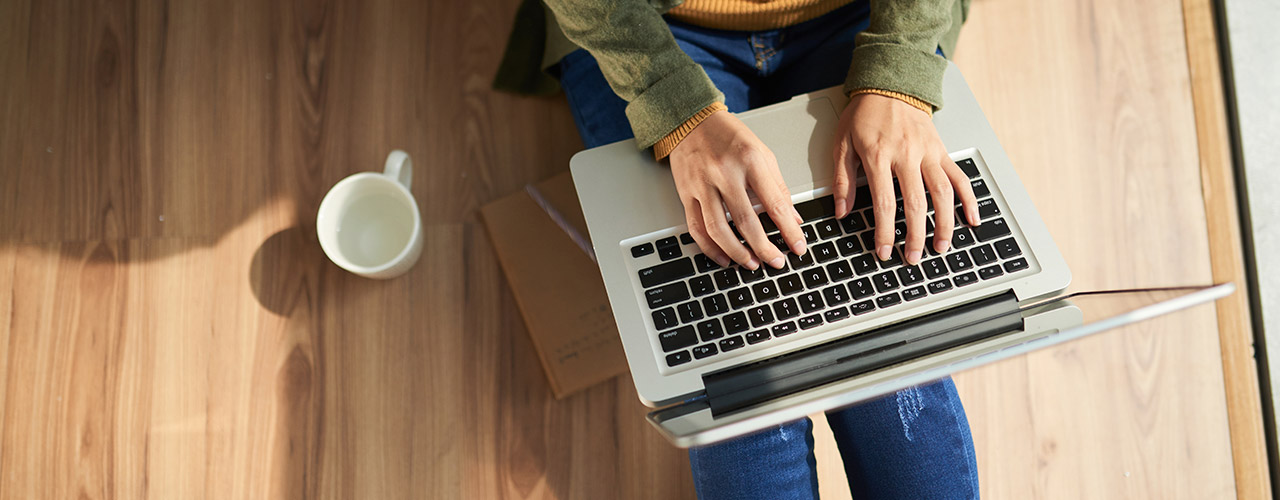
<point x="898" y="50"/>
<point x="639" y="57"/>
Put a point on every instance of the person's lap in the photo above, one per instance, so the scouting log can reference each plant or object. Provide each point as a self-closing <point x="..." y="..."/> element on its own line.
<point x="912" y="444"/>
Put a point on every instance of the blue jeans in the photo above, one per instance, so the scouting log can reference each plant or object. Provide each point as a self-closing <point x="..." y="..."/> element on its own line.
<point x="912" y="444"/>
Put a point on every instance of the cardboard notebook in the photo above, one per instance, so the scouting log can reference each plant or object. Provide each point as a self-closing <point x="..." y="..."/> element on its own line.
<point x="557" y="286"/>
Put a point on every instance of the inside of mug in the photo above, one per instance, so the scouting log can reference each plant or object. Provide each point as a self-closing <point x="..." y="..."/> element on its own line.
<point x="367" y="222"/>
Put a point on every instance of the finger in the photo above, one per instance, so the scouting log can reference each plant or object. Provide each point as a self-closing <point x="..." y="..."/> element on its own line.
<point x="698" y="229"/>
<point x="963" y="190"/>
<point x="914" y="208"/>
<point x="884" y="204"/>
<point x="773" y="194"/>
<point x="939" y="186"/>
<point x="749" y="226"/>
<point x="845" y="172"/>
<point x="718" y="228"/>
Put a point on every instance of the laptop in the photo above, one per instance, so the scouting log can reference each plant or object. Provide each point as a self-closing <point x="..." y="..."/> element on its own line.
<point x="723" y="352"/>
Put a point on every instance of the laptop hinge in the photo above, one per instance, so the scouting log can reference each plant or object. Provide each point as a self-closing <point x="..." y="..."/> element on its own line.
<point x="748" y="385"/>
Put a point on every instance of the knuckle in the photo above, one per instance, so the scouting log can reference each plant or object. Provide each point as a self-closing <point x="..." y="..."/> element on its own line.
<point x="914" y="204"/>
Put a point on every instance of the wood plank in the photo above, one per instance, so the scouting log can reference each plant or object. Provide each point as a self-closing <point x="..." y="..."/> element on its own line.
<point x="1235" y="329"/>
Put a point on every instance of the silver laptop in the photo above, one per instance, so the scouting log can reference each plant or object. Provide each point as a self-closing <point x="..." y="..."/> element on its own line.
<point x="724" y="351"/>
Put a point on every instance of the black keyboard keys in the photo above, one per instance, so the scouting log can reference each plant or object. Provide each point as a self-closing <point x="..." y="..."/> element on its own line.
<point x="983" y="255"/>
<point x="726" y="279"/>
<point x="678" y="358"/>
<point x="786" y="309"/>
<point x="988" y="208"/>
<point x="824" y="252"/>
<point x="969" y="168"/>
<point x="888" y="300"/>
<point x="740" y="298"/>
<point x="939" y="286"/>
<point x="760" y="316"/>
<point x="980" y="189"/>
<point x="764" y="290"/>
<point x="808" y="322"/>
<point x="689" y="312"/>
<point x="677" y="339"/>
<point x="961" y="238"/>
<point x="835" y="295"/>
<point x="836" y="314"/>
<point x="705" y="350"/>
<point x="814" y="278"/>
<point x="853" y="223"/>
<point x="965" y="279"/>
<point x="666" y="273"/>
<point x="863" y="264"/>
<point x="668" y="248"/>
<point x="992" y="229"/>
<point x="705" y="263"/>
<point x="750" y="276"/>
<point x="863" y="307"/>
<point x="810" y="235"/>
<point x="1008" y="248"/>
<point x="666" y="295"/>
<point x="715" y="305"/>
<point x="861" y="288"/>
<point x="735" y="323"/>
<point x="642" y="250"/>
<point x="934" y="268"/>
<point x="811" y="302"/>
<point x="914" y="293"/>
<point x="1016" y="265"/>
<point x="665" y="318"/>
<point x="848" y="246"/>
<point x="885" y="281"/>
<point x="828" y="229"/>
<point x="910" y="275"/>
<point x="701" y="285"/>
<point x="757" y="336"/>
<point x="710" y="330"/>
<point x="783" y="329"/>
<point x="790" y="284"/>
<point x="959" y="261"/>
<point x="987" y="273"/>
<point x="800" y="261"/>
<point x="839" y="271"/>
<point x="731" y="343"/>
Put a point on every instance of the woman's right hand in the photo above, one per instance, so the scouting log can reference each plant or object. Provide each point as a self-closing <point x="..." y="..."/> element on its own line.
<point x="713" y="167"/>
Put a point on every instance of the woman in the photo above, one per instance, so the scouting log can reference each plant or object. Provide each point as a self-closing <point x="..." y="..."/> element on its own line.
<point x="672" y="73"/>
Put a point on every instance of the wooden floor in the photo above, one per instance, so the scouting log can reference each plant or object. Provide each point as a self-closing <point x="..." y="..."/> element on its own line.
<point x="170" y="329"/>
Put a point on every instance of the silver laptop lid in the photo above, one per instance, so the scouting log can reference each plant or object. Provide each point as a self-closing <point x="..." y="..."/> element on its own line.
<point x="1029" y="327"/>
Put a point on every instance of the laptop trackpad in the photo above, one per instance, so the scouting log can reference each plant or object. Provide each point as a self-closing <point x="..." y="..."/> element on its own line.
<point x="803" y="145"/>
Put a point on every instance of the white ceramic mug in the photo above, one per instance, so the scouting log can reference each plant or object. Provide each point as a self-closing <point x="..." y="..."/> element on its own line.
<point x="369" y="222"/>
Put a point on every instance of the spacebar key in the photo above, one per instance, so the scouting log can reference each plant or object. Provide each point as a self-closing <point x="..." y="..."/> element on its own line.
<point x="663" y="273"/>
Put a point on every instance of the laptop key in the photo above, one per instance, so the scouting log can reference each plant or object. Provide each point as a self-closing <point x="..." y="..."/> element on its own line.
<point x="885" y="281"/>
<point x="990" y="272"/>
<point x="735" y="323"/>
<point x="934" y="268"/>
<point x="824" y="252"/>
<point x="961" y="238"/>
<point x="710" y="330"/>
<point x="641" y="250"/>
<point x="959" y="261"/>
<point x="668" y="252"/>
<point x="726" y="279"/>
<point x="779" y="241"/>
<point x="800" y="261"/>
<point x="817" y="208"/>
<point x="757" y="336"/>
<point x="839" y="271"/>
<point x="835" y="295"/>
<point x="828" y="229"/>
<point x="705" y="263"/>
<point x="790" y="284"/>
<point x="811" y="302"/>
<point x="786" y="309"/>
<point x="808" y="322"/>
<point x="980" y="189"/>
<point x="863" y="307"/>
<point x="678" y="358"/>
<point x="987" y="208"/>
<point x="848" y="245"/>
<point x="715" y="305"/>
<point x="772" y="273"/>
<point x="810" y="234"/>
<point x="705" y="350"/>
<point x="665" y="318"/>
<point x="836" y="314"/>
<point x="689" y="312"/>
<point x="679" y="338"/>
<point x="666" y="295"/>
<point x="863" y="264"/>
<point x="665" y="273"/>
<point x="868" y="239"/>
<point x="731" y="343"/>
<point x="895" y="260"/>
<point x="701" y="285"/>
<point x="861" y="289"/>
<point x="853" y="223"/>
<point x="686" y="239"/>
<point x="965" y="279"/>
<point x="1016" y="265"/>
<point x="760" y="316"/>
<point x="983" y="255"/>
<point x="814" y="278"/>
<point x="910" y="275"/>
<point x="940" y="286"/>
<point x="784" y="329"/>
<point x="749" y="276"/>
<point x="993" y="229"/>
<point x="740" y="298"/>
<point x="914" y="293"/>
<point x="969" y="168"/>
<point x="764" y="290"/>
<point x="888" y="300"/>
<point x="1008" y="248"/>
<point x="767" y="223"/>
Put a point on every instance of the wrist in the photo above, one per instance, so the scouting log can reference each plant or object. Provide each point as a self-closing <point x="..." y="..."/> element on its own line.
<point x="666" y="145"/>
<point x="911" y="100"/>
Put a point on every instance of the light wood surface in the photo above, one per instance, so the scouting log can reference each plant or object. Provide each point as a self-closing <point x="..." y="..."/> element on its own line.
<point x="170" y="329"/>
<point x="1235" y="329"/>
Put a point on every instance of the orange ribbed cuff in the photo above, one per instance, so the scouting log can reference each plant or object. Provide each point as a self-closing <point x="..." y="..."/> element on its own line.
<point x="664" y="147"/>
<point x="914" y="102"/>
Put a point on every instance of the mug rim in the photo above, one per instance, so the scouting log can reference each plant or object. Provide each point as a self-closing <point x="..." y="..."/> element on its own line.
<point x="335" y="255"/>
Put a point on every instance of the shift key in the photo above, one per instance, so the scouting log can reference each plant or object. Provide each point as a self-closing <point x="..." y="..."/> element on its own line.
<point x="665" y="273"/>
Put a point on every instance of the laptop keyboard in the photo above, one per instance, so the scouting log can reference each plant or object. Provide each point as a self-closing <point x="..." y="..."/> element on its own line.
<point x="702" y="312"/>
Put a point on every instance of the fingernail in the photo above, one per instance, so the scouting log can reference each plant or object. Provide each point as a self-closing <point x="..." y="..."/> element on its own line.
<point x="913" y="257"/>
<point x="973" y="215"/>
<point x="777" y="262"/>
<point x="941" y="246"/>
<point x="840" y="209"/>
<point x="722" y="260"/>
<point x="753" y="264"/>
<point x="884" y="252"/>
<point x="797" y="247"/>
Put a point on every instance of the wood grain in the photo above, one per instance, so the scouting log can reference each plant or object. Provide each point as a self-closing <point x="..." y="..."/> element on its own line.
<point x="1235" y="329"/>
<point x="170" y="329"/>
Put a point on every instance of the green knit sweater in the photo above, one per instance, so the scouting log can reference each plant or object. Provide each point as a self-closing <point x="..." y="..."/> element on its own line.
<point x="663" y="87"/>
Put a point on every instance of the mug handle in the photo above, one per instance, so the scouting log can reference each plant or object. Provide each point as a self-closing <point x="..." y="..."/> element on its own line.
<point x="399" y="168"/>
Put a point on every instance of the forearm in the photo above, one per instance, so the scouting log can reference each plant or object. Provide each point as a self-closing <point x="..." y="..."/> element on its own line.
<point x="897" y="52"/>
